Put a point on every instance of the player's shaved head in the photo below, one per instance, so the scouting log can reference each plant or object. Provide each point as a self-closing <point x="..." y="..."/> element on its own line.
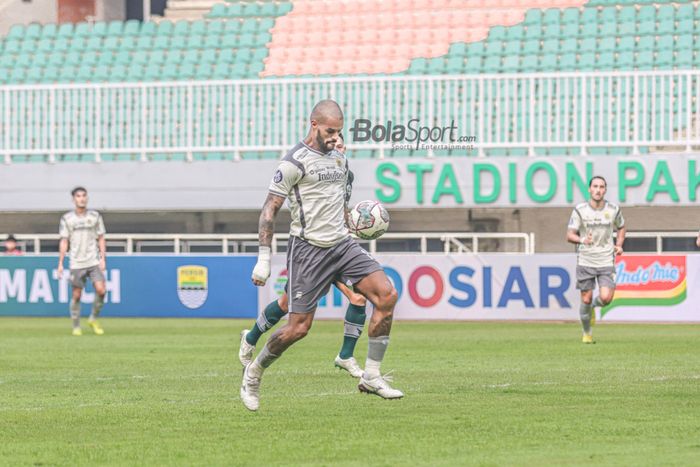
<point x="326" y="110"/>
<point x="326" y="124"/>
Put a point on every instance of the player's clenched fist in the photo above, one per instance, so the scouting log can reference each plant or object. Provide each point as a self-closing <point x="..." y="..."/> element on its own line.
<point x="261" y="271"/>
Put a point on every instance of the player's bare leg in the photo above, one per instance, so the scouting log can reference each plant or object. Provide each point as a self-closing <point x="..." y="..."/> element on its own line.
<point x="297" y="328"/>
<point x="100" y="291"/>
<point x="354" y="322"/>
<point x="378" y="290"/>
<point x="605" y="297"/>
<point x="75" y="310"/>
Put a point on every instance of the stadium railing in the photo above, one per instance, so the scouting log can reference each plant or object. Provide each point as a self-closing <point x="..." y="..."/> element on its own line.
<point x="423" y="243"/>
<point x="500" y="114"/>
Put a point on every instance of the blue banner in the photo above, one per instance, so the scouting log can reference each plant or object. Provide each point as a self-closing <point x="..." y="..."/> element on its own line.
<point x="156" y="286"/>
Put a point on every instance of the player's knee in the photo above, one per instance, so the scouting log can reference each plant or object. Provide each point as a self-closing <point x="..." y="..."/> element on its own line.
<point x="388" y="299"/>
<point x="587" y="300"/>
<point x="300" y="330"/>
<point x="283" y="303"/>
<point x="606" y="298"/>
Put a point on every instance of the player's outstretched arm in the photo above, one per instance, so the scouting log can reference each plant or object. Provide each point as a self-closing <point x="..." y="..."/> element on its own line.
<point x="266" y="229"/>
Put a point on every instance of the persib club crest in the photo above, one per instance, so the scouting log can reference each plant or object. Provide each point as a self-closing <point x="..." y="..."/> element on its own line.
<point x="192" y="285"/>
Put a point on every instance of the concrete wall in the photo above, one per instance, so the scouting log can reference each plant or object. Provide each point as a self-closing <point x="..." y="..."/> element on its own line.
<point x="19" y="12"/>
<point x="110" y="10"/>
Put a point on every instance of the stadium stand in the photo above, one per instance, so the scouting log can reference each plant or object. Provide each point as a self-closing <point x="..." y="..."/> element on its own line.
<point x="250" y="40"/>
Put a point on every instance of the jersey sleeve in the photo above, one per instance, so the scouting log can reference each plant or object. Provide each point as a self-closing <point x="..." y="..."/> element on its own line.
<point x="286" y="176"/>
<point x="575" y="221"/>
<point x="100" y="225"/>
<point x="348" y="187"/>
<point x="63" y="231"/>
<point x="619" y="220"/>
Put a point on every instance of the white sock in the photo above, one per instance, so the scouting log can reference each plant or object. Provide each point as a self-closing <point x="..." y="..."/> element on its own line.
<point x="372" y="368"/>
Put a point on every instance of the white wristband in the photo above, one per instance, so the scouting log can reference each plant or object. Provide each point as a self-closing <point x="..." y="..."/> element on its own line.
<point x="264" y="253"/>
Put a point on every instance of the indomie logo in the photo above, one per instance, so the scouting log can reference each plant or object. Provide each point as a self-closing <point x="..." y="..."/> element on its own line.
<point x="649" y="281"/>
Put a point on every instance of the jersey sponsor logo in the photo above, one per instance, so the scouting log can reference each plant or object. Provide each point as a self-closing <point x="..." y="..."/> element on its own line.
<point x="278" y="176"/>
<point x="192" y="285"/>
<point x="649" y="281"/>
<point x="331" y="176"/>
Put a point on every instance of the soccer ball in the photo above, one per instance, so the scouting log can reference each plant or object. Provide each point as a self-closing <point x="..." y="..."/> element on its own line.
<point x="369" y="220"/>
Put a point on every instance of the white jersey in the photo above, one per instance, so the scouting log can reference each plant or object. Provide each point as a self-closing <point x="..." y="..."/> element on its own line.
<point x="315" y="185"/>
<point x="82" y="233"/>
<point x="598" y="224"/>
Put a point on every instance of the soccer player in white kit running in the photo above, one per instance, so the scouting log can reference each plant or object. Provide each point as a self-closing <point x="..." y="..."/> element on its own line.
<point x="313" y="176"/>
<point x="84" y="231"/>
<point x="591" y="229"/>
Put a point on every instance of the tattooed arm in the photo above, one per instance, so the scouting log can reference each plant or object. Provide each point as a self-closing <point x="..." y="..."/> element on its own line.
<point x="266" y="229"/>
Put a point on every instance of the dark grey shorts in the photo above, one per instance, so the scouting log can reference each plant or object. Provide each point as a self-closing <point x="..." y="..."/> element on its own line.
<point x="586" y="277"/>
<point x="79" y="276"/>
<point x="311" y="270"/>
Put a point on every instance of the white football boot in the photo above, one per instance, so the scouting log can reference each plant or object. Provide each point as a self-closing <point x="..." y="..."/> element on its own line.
<point x="250" y="391"/>
<point x="245" y="351"/>
<point x="379" y="386"/>
<point x="350" y="365"/>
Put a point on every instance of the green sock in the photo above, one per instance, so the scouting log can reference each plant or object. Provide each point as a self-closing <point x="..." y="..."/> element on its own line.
<point x="268" y="318"/>
<point x="354" y="322"/>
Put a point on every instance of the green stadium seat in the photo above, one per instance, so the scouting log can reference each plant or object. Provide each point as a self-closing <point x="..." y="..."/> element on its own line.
<point x="607" y="16"/>
<point x="570" y="30"/>
<point x="148" y="28"/>
<point x="644" y="61"/>
<point x="65" y="30"/>
<point x="123" y="57"/>
<point x="624" y="61"/>
<point x="83" y="30"/>
<point x="93" y="43"/>
<point x="186" y="71"/>
<point x="28" y="46"/>
<point x="232" y="26"/>
<point x="198" y="27"/>
<point x="51" y="74"/>
<point x="531" y="47"/>
<point x="533" y="32"/>
<point x="15" y="32"/>
<point x="49" y="31"/>
<point x="165" y="28"/>
<point x="61" y="44"/>
<point x="110" y="43"/>
<point x="218" y="11"/>
<point x="533" y="17"/>
<point x="626" y="45"/>
<point x="45" y="45"/>
<point x="129" y="28"/>
<point x="99" y="29"/>
<point x="645" y="43"/>
<point x="55" y="59"/>
<point x="89" y="58"/>
<point x="514" y="33"/>
<point x="33" y="31"/>
<point x="157" y="57"/>
<point x="135" y="72"/>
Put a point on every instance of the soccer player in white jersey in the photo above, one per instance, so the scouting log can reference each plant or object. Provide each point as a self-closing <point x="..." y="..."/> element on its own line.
<point x="354" y="321"/>
<point x="591" y="229"/>
<point x="84" y="231"/>
<point x="313" y="175"/>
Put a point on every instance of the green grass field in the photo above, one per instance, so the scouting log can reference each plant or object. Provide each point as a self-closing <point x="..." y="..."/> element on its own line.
<point x="165" y="392"/>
